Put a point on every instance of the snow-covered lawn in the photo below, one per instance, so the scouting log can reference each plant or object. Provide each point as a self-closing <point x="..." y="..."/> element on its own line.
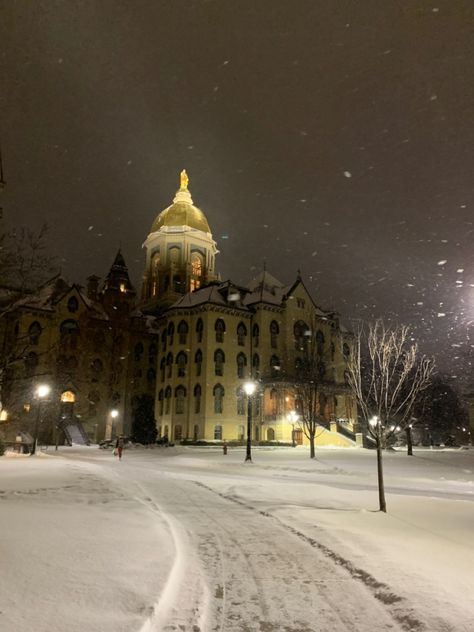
<point x="190" y="539"/>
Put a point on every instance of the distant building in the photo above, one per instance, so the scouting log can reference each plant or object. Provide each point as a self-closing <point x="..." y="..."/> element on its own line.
<point x="91" y="346"/>
<point x="215" y="335"/>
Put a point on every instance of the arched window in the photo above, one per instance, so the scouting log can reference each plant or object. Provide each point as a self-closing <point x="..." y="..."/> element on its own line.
<point x="321" y="367"/>
<point x="196" y="270"/>
<point x="274" y="331"/>
<point x="162" y="369"/>
<point x="240" y="401"/>
<point x="319" y="342"/>
<point x="31" y="362"/>
<point x="167" y="400"/>
<point x="197" y="399"/>
<point x="199" y="329"/>
<point x="241" y="334"/>
<point x="255" y="335"/>
<point x="138" y="351"/>
<point x="160" y="402"/>
<point x="178" y="433"/>
<point x="198" y="362"/>
<point x="72" y="304"/>
<point x="171" y="333"/>
<point x="34" y="332"/>
<point x="163" y="340"/>
<point x="302" y="334"/>
<point x="169" y="364"/>
<point x="241" y="364"/>
<point x="181" y="361"/>
<point x="333" y="351"/>
<point x="346" y="377"/>
<point x="97" y="369"/>
<point x="182" y="332"/>
<point x="346" y="351"/>
<point x="256" y="365"/>
<point x="220" y="330"/>
<point x="218" y="433"/>
<point x="219" y="360"/>
<point x="275" y="366"/>
<point x="322" y="405"/>
<point x="270" y="434"/>
<point x="174" y="253"/>
<point x="180" y="395"/>
<point x="218" y="393"/>
<point x="152" y="353"/>
<point x="151" y="376"/>
<point x="69" y="333"/>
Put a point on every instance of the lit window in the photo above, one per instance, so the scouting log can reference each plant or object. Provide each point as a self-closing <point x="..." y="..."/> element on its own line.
<point x="122" y="287"/>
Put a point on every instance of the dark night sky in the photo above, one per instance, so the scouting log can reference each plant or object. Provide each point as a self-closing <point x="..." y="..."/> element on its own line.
<point x="332" y="136"/>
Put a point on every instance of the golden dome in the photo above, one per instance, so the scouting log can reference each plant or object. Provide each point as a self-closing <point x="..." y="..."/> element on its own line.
<point x="182" y="212"/>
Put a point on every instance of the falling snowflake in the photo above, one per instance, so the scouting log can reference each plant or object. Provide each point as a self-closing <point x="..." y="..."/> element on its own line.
<point x="442" y="262"/>
<point x="348" y="174"/>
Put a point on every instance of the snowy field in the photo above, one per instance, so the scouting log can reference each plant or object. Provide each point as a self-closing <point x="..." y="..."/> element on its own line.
<point x="188" y="539"/>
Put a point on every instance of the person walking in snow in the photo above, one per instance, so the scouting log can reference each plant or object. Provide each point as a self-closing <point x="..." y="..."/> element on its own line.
<point x="119" y="446"/>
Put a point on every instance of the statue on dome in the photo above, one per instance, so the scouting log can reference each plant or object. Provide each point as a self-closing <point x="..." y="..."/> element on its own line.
<point x="184" y="179"/>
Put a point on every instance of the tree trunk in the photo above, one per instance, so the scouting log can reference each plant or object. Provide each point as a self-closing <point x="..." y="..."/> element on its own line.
<point x="312" y="452"/>
<point x="382" y="504"/>
<point x="409" y="441"/>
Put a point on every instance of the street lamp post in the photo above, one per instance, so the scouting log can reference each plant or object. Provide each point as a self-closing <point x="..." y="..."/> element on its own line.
<point x="249" y="388"/>
<point x="376" y="427"/>
<point x="293" y="418"/>
<point x="42" y="391"/>
<point x="114" y="415"/>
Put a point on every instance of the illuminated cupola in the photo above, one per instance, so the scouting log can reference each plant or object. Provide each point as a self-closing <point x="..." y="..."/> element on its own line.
<point x="180" y="251"/>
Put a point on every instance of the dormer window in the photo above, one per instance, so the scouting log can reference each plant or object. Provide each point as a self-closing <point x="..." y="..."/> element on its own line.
<point x="73" y="304"/>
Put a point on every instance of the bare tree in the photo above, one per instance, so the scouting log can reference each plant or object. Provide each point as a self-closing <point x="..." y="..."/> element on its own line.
<point x="387" y="374"/>
<point x="310" y="383"/>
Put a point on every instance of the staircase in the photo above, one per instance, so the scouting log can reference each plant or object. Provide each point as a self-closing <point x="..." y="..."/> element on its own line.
<point x="75" y="433"/>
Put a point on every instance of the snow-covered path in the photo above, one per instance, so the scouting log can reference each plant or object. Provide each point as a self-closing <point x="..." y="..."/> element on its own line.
<point x="186" y="539"/>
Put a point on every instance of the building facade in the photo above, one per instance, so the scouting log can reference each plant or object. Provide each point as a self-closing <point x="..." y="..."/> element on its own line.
<point x="214" y="336"/>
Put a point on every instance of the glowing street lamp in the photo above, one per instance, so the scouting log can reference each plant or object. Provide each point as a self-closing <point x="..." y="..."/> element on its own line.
<point x="42" y="391"/>
<point x="293" y="418"/>
<point x="113" y="414"/>
<point x="249" y="388"/>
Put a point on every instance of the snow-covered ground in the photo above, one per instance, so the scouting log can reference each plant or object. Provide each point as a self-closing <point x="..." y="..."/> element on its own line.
<point x="189" y="539"/>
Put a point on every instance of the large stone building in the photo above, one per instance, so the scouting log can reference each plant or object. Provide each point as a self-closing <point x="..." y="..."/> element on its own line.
<point x="215" y="335"/>
<point x="94" y="350"/>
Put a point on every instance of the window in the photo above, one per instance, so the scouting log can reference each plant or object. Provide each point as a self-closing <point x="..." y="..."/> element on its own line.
<point x="302" y="334"/>
<point x="162" y="369"/>
<point x="97" y="368"/>
<point x="198" y="362"/>
<point x="240" y="401"/>
<point x="163" y="340"/>
<point x="151" y="376"/>
<point x="173" y="254"/>
<point x="255" y="335"/>
<point x="322" y="405"/>
<point x="199" y="329"/>
<point x="319" y="342"/>
<point x="138" y="351"/>
<point x="218" y="393"/>
<point x="273" y="402"/>
<point x="181" y="361"/>
<point x="195" y="432"/>
<point x="333" y="351"/>
<point x="240" y="433"/>
<point x="171" y="333"/>
<point x="197" y="399"/>
<point x="300" y="302"/>
<point x="274" y="331"/>
<point x="31" y="362"/>
<point x="321" y="370"/>
<point x="241" y="334"/>
<point x="241" y="364"/>
<point x="299" y="368"/>
<point x="180" y="395"/>
<point x="346" y="377"/>
<point x="256" y="365"/>
<point x="270" y="434"/>
<point x="178" y="433"/>
<point x="346" y="352"/>
<point x="196" y="270"/>
<point x="218" y="433"/>
<point x="160" y="402"/>
<point x="274" y="366"/>
<point x="69" y="333"/>
<point x="152" y="353"/>
<point x="220" y="330"/>
<point x="93" y="400"/>
<point x="169" y="364"/>
<point x="167" y="400"/>
<point x="219" y="360"/>
<point x="73" y="304"/>
<point x="182" y="332"/>
<point x="34" y="332"/>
